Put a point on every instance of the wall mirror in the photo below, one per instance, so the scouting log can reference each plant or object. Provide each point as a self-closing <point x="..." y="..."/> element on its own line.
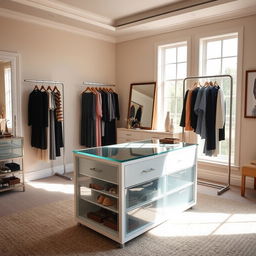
<point x="141" y="105"/>
<point x="10" y="95"/>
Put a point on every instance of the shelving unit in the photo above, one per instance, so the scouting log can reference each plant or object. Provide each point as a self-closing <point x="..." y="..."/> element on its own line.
<point x="11" y="149"/>
<point x="150" y="189"/>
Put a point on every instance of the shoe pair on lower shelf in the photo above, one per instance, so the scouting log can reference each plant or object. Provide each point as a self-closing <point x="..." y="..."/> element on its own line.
<point x="104" y="200"/>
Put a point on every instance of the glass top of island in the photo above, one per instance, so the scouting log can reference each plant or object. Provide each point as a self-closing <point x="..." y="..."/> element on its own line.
<point x="131" y="150"/>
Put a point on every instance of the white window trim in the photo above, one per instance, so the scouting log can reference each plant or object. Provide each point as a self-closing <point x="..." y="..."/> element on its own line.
<point x="157" y="75"/>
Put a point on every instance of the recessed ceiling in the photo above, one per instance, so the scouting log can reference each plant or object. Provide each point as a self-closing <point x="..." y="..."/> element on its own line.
<point x="122" y="20"/>
<point x="116" y="9"/>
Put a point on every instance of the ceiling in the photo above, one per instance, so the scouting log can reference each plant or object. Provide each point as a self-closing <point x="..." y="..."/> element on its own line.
<point x="121" y="20"/>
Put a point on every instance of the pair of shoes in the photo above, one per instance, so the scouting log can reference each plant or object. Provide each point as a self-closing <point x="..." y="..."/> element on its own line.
<point x="96" y="186"/>
<point x="104" y="200"/>
<point x="113" y="190"/>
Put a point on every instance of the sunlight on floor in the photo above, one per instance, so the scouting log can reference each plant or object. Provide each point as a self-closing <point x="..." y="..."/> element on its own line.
<point x="63" y="188"/>
<point x="204" y="224"/>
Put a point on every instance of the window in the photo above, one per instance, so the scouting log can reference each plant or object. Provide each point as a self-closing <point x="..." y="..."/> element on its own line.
<point x="8" y="96"/>
<point x="219" y="56"/>
<point x="172" y="63"/>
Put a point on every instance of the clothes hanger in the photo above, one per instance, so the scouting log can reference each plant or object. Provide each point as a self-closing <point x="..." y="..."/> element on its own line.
<point x="49" y="88"/>
<point x="36" y="88"/>
<point x="42" y="88"/>
<point x="55" y="88"/>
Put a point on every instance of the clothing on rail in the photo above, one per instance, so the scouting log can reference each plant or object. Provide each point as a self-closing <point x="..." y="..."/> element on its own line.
<point x="204" y="113"/>
<point x="99" y="112"/>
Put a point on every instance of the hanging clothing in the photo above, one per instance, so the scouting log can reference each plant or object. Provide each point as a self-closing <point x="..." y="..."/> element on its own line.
<point x="138" y="114"/>
<point x="100" y="110"/>
<point x="204" y="112"/>
<point x="58" y="103"/>
<point x="88" y="117"/>
<point x="38" y="118"/>
<point x="132" y="112"/>
<point x="42" y="111"/>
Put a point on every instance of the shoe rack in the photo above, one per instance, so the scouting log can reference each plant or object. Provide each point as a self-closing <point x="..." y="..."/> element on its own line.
<point x="11" y="151"/>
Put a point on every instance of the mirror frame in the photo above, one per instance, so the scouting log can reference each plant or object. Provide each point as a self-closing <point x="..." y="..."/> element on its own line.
<point x="14" y="58"/>
<point x="153" y="106"/>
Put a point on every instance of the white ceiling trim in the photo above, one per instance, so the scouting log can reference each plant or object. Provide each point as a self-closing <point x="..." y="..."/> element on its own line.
<point x="122" y="36"/>
<point x="56" y="25"/>
<point x="59" y="8"/>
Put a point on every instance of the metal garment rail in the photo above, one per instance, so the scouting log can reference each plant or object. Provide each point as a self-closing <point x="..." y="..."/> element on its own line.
<point x="222" y="188"/>
<point x="49" y="82"/>
<point x="96" y="84"/>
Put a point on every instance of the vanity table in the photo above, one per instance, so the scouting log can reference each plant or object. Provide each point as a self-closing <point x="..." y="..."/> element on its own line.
<point x="123" y="190"/>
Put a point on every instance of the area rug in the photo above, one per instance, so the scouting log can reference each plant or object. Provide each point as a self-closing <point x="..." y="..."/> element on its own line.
<point x="215" y="226"/>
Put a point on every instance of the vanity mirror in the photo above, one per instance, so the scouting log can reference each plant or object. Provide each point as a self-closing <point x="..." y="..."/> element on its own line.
<point x="141" y="105"/>
<point x="9" y="96"/>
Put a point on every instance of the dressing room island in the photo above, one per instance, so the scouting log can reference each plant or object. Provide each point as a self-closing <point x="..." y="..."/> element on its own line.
<point x="123" y="190"/>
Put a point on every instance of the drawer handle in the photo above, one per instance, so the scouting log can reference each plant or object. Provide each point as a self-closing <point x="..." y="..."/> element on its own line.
<point x="128" y="134"/>
<point x="148" y="170"/>
<point x="96" y="170"/>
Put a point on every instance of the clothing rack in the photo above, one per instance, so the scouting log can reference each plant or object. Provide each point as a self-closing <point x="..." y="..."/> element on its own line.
<point x="97" y="84"/>
<point x="56" y="83"/>
<point x="222" y="188"/>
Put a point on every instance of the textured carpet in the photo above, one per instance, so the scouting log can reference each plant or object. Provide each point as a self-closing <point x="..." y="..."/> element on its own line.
<point x="215" y="226"/>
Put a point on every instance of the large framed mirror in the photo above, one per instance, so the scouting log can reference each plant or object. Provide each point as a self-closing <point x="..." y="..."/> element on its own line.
<point x="141" y="105"/>
<point x="10" y="107"/>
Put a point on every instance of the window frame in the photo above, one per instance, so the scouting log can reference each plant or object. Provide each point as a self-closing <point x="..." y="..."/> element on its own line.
<point x="202" y="61"/>
<point x="160" y="48"/>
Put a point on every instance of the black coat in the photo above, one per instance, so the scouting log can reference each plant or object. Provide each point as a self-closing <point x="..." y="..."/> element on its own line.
<point x="38" y="118"/>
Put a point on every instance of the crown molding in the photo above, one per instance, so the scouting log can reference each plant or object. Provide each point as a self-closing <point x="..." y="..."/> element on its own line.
<point x="59" y="8"/>
<point x="128" y="34"/>
<point x="56" y="25"/>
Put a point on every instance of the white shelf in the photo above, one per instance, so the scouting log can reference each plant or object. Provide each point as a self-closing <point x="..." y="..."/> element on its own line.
<point x="8" y="173"/>
<point x="105" y="192"/>
<point x="8" y="157"/>
<point x="92" y="199"/>
<point x="100" y="226"/>
<point x="19" y="185"/>
<point x="91" y="176"/>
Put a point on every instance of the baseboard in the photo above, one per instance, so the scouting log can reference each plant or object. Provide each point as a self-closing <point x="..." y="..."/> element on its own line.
<point x="44" y="173"/>
<point x="235" y="179"/>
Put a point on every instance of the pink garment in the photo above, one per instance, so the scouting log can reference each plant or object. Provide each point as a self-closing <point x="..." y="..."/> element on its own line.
<point x="98" y="118"/>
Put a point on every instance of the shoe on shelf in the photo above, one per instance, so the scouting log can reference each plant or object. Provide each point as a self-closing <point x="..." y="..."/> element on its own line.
<point x="113" y="190"/>
<point x="100" y="199"/>
<point x="108" y="201"/>
<point x="96" y="186"/>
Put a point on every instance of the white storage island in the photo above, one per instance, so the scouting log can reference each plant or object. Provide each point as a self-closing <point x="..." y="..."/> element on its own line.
<point x="123" y="190"/>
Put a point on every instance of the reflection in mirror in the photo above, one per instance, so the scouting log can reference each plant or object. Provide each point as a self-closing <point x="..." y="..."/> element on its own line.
<point x="141" y="105"/>
<point x="5" y="98"/>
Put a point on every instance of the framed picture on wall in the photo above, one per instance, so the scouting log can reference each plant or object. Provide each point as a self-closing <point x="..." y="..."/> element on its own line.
<point x="250" y="94"/>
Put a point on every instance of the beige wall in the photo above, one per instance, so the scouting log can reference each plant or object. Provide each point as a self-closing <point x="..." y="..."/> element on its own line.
<point x="136" y="62"/>
<point x="2" y="89"/>
<point x="51" y="54"/>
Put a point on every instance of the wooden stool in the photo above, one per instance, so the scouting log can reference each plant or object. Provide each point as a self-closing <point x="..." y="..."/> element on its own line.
<point x="248" y="170"/>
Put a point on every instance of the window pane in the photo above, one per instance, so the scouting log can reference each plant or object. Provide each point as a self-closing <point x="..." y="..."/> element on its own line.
<point x="229" y="66"/>
<point x="170" y="71"/>
<point x="214" y="49"/>
<point x="182" y="54"/>
<point x="170" y="55"/>
<point x="169" y="89"/>
<point x="179" y="88"/>
<point x="213" y="67"/>
<point x="230" y="47"/>
<point x="182" y="70"/>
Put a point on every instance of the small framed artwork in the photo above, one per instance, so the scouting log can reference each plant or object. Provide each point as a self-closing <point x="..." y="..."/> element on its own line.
<point x="250" y="94"/>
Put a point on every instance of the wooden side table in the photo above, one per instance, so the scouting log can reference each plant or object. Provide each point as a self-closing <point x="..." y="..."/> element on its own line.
<point x="248" y="170"/>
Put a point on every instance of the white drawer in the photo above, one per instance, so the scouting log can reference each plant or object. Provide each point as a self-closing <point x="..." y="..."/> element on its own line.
<point x="180" y="159"/>
<point x="143" y="171"/>
<point x="99" y="170"/>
